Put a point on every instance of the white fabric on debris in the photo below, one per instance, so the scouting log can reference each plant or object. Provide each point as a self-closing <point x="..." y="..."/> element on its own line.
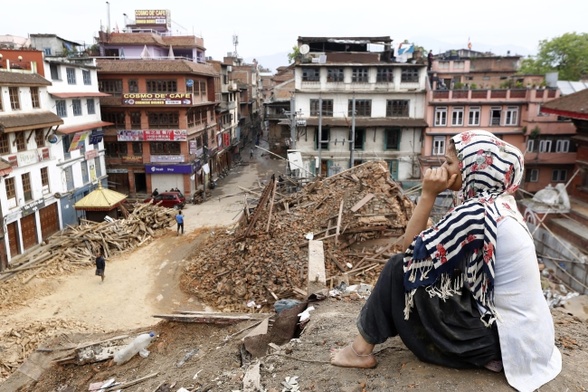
<point x="525" y="325"/>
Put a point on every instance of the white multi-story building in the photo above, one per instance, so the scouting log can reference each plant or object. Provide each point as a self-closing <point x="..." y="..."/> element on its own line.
<point x="29" y="210"/>
<point x="78" y="144"/>
<point x="373" y="107"/>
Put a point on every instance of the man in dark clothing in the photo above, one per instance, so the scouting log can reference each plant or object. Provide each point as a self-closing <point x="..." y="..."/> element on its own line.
<point x="180" y="220"/>
<point x="429" y="60"/>
<point x="100" y="264"/>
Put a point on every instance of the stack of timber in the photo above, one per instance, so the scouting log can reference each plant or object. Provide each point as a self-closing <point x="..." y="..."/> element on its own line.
<point x="76" y="246"/>
<point x="359" y="214"/>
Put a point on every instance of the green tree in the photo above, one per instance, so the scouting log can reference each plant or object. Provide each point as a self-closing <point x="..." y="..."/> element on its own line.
<point x="567" y="54"/>
<point x="295" y="54"/>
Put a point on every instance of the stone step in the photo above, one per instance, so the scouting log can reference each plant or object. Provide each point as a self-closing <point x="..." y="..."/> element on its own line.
<point x="571" y="230"/>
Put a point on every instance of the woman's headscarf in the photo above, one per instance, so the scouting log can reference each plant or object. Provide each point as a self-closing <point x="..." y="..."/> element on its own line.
<point x="459" y="251"/>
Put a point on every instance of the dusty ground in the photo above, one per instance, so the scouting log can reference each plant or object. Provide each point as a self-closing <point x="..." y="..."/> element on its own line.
<point x="208" y="357"/>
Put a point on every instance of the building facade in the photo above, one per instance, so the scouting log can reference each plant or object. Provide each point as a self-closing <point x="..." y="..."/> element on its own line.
<point x="29" y="173"/>
<point x="354" y="104"/>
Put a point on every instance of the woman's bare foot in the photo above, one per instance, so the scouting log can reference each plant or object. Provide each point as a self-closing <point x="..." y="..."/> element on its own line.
<point x="348" y="357"/>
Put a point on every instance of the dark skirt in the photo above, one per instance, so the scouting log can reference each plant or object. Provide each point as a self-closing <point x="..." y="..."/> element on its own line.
<point x="445" y="332"/>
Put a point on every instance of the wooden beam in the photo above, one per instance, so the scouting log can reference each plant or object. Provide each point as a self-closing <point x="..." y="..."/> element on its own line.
<point x="316" y="266"/>
<point x="339" y="222"/>
<point x="363" y="201"/>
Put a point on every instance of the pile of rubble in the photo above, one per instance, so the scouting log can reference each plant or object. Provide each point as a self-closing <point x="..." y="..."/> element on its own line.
<point x="359" y="214"/>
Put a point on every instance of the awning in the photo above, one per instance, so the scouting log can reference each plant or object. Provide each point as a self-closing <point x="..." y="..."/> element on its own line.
<point x="100" y="199"/>
<point x="80" y="94"/>
<point x="82" y="127"/>
<point x="29" y="120"/>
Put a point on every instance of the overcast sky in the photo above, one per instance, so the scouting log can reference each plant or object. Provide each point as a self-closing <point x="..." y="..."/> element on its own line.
<point x="269" y="27"/>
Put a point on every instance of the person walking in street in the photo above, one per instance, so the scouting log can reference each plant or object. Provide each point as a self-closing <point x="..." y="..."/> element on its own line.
<point x="251" y="153"/>
<point x="100" y="264"/>
<point x="180" y="220"/>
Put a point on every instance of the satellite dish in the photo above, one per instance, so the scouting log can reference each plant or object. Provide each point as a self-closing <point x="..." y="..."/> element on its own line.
<point x="52" y="138"/>
<point x="304" y="49"/>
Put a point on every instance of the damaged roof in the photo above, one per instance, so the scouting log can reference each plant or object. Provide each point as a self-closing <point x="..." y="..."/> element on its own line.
<point x="573" y="106"/>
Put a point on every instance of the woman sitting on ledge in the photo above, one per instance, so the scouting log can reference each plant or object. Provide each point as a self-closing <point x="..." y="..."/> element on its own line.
<point x="467" y="291"/>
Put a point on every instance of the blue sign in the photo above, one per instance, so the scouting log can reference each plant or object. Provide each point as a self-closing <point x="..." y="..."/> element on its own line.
<point x="168" y="169"/>
<point x="189" y="82"/>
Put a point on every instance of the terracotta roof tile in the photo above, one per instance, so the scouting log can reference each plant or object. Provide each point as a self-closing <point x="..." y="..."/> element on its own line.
<point x="573" y="105"/>
<point x="155" y="66"/>
<point x="189" y="41"/>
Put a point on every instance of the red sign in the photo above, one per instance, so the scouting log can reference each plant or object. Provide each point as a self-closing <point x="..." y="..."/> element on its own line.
<point x="226" y="139"/>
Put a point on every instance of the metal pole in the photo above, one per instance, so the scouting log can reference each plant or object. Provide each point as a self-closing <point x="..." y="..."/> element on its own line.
<point x="292" y="123"/>
<point x="352" y="141"/>
<point x="320" y="135"/>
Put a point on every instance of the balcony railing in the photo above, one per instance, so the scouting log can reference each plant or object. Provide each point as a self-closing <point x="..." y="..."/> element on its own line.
<point x="513" y="94"/>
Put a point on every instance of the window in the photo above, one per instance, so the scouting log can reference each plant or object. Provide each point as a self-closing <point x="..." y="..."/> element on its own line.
<point x="69" y="181"/>
<point x="203" y="88"/>
<point x="113" y="86"/>
<point x="532" y="175"/>
<point x="135" y="120"/>
<point x="19" y="140"/>
<point x="363" y="108"/>
<point x="39" y="138"/>
<point x="1" y="105"/>
<point x="45" y="177"/>
<point x="409" y="74"/>
<point x="85" y="175"/>
<point x="392" y="138"/>
<point x="310" y="74"/>
<point x="562" y="146"/>
<point x="397" y="107"/>
<point x="384" y="75"/>
<point x="530" y="145"/>
<point x="77" y="107"/>
<point x="61" y="108"/>
<point x="440" y="117"/>
<point x="326" y="136"/>
<point x="474" y="116"/>
<point x="66" y="143"/>
<point x="71" y="75"/>
<point x="457" y="117"/>
<point x="495" y="115"/>
<point x="162" y="86"/>
<point x="86" y="77"/>
<point x="54" y="69"/>
<point x="118" y="118"/>
<point x="327" y="107"/>
<point x="133" y="86"/>
<point x="165" y="148"/>
<point x="90" y="106"/>
<point x="393" y="167"/>
<point x="35" y="101"/>
<point x="26" y="186"/>
<point x="164" y="120"/>
<point x="359" y="75"/>
<point x="512" y="116"/>
<point x="545" y="146"/>
<point x="98" y="167"/>
<point x="559" y="175"/>
<point x="115" y="149"/>
<point x="439" y="145"/>
<point x="14" y="99"/>
<point x="10" y="188"/>
<point x="138" y="149"/>
<point x="335" y="75"/>
<point x="4" y="143"/>
<point x="359" y="140"/>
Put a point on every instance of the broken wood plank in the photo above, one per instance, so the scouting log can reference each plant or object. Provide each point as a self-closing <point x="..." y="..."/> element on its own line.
<point x="316" y="266"/>
<point x="339" y="222"/>
<point x="362" y="202"/>
<point x="205" y="318"/>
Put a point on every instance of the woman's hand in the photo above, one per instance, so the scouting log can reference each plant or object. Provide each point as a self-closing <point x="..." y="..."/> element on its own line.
<point x="436" y="180"/>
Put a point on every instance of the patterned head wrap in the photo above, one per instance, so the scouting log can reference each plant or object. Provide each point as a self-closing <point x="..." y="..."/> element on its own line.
<point x="458" y="252"/>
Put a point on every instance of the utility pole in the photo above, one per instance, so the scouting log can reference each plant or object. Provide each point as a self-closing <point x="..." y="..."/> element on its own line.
<point x="320" y="135"/>
<point x="292" y="123"/>
<point x="352" y="141"/>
